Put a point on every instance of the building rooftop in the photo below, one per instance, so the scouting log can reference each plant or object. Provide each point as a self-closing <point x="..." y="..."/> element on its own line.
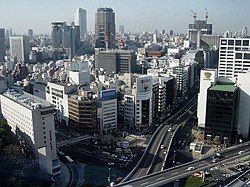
<point x="223" y="87"/>
<point x="27" y="100"/>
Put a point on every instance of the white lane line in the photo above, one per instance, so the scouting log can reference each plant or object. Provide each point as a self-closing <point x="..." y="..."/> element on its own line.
<point x="143" y="184"/>
<point x="202" y="164"/>
<point x="174" y="173"/>
<point x="160" y="178"/>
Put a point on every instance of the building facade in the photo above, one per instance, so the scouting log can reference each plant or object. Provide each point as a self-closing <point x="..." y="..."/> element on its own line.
<point x="32" y="119"/>
<point x="105" y="28"/>
<point x="20" y="48"/>
<point x="81" y="21"/>
<point x="2" y="44"/>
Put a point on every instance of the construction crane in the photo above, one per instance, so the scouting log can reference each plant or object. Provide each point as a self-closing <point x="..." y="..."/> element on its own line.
<point x="194" y="15"/>
<point x="206" y="14"/>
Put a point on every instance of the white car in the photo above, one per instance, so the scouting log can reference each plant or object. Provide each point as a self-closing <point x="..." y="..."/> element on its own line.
<point x="241" y="152"/>
<point x="191" y="168"/>
<point x="162" y="146"/>
<point x="169" y="129"/>
<point x="165" y="152"/>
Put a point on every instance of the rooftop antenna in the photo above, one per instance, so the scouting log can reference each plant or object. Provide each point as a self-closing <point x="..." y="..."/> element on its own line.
<point x="206" y="14"/>
<point x="194" y="15"/>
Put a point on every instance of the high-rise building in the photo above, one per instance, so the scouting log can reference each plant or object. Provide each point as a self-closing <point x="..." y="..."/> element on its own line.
<point x="105" y="28"/>
<point x="234" y="57"/>
<point x="199" y="27"/>
<point x="32" y="119"/>
<point x="20" y="48"/>
<point x="81" y="20"/>
<point x="221" y="113"/>
<point x="65" y="39"/>
<point x="118" y="61"/>
<point x="121" y="29"/>
<point x="2" y="44"/>
<point x="107" y="110"/>
<point x="83" y="112"/>
<point x="30" y="33"/>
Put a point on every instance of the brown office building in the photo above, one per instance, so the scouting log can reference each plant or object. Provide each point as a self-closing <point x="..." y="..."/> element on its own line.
<point x="83" y="113"/>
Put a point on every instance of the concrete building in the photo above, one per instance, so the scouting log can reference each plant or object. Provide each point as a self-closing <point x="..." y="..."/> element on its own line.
<point x="57" y="93"/>
<point x="83" y="112"/>
<point x="208" y="77"/>
<point x="244" y="103"/>
<point x="65" y="39"/>
<point x="138" y="104"/>
<point x="221" y="113"/>
<point x="2" y="44"/>
<point x="118" y="61"/>
<point x="121" y="29"/>
<point x="20" y="48"/>
<point x="234" y="57"/>
<point x="81" y="21"/>
<point x="107" y="111"/>
<point x="32" y="119"/>
<point x="30" y="33"/>
<point x="79" y="77"/>
<point x="105" y="28"/>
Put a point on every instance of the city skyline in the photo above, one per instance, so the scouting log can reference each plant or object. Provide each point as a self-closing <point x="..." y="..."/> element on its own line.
<point x="162" y="15"/>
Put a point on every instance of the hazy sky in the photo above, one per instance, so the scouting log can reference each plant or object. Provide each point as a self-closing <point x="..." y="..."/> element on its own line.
<point x="135" y="15"/>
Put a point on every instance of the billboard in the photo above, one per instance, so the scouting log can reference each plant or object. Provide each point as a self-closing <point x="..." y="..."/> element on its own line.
<point x="108" y="94"/>
<point x="144" y="84"/>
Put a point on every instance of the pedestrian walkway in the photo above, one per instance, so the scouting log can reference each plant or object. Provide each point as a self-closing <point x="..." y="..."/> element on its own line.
<point x="65" y="175"/>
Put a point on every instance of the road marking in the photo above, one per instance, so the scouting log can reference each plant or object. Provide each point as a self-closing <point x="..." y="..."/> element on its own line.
<point x="143" y="184"/>
<point x="160" y="178"/>
<point x="175" y="173"/>
<point x="202" y="164"/>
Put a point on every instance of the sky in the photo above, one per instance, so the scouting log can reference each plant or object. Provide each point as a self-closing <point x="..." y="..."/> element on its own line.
<point x="135" y="15"/>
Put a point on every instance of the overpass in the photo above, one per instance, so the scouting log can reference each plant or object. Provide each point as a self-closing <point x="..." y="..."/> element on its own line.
<point x="151" y="153"/>
<point x="73" y="140"/>
<point x="181" y="171"/>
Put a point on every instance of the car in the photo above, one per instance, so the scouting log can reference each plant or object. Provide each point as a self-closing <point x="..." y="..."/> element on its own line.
<point x="241" y="152"/>
<point x="191" y="168"/>
<point x="165" y="152"/>
<point x="162" y="146"/>
<point x="215" y="160"/>
<point x="169" y="129"/>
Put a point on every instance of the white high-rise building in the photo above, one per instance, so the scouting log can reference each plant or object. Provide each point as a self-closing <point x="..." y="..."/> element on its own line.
<point x="207" y="78"/>
<point x="234" y="57"/>
<point x="32" y="119"/>
<point x="81" y="20"/>
<point x="20" y="48"/>
<point x="57" y="93"/>
<point x="107" y="110"/>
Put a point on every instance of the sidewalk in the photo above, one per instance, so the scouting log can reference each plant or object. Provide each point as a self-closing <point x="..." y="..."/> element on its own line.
<point x="65" y="175"/>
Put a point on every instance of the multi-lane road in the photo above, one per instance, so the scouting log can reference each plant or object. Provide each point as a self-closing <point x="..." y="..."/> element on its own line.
<point x="153" y="157"/>
<point x="182" y="171"/>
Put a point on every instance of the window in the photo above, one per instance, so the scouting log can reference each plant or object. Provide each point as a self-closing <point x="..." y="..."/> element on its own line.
<point x="245" y="42"/>
<point x="223" y="42"/>
<point x="230" y="42"/>
<point x="238" y="42"/>
<point x="238" y="56"/>
<point x="247" y="56"/>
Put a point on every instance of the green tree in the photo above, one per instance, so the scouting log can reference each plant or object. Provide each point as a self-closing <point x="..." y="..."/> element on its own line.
<point x="5" y="133"/>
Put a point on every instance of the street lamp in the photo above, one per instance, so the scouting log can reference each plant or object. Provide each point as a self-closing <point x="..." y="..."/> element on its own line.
<point x="174" y="159"/>
<point x="109" y="179"/>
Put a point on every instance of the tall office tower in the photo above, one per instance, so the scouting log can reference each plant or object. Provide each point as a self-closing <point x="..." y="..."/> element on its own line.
<point x="32" y="118"/>
<point x="11" y="34"/>
<point x="65" y="39"/>
<point x="171" y="32"/>
<point x="81" y="21"/>
<point x="244" y="32"/>
<point x="105" y="28"/>
<point x="20" y="48"/>
<point x="199" y="27"/>
<point x="2" y="44"/>
<point x="7" y="35"/>
<point x="121" y="29"/>
<point x="30" y="33"/>
<point x="221" y="113"/>
<point x="234" y="57"/>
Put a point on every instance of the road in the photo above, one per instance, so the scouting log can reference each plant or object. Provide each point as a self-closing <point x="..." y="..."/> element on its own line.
<point x="181" y="171"/>
<point x="153" y="154"/>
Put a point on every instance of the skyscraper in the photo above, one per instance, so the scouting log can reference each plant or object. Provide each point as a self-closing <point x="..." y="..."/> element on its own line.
<point x="121" y="29"/>
<point x="2" y="44"/>
<point x="81" y="20"/>
<point x="30" y="33"/>
<point x="105" y="28"/>
<point x="20" y="48"/>
<point x="65" y="39"/>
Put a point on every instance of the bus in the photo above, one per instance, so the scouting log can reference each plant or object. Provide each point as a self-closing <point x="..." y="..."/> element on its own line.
<point x="69" y="159"/>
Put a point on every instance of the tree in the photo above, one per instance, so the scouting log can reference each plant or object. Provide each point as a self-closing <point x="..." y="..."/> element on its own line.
<point x="5" y="133"/>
